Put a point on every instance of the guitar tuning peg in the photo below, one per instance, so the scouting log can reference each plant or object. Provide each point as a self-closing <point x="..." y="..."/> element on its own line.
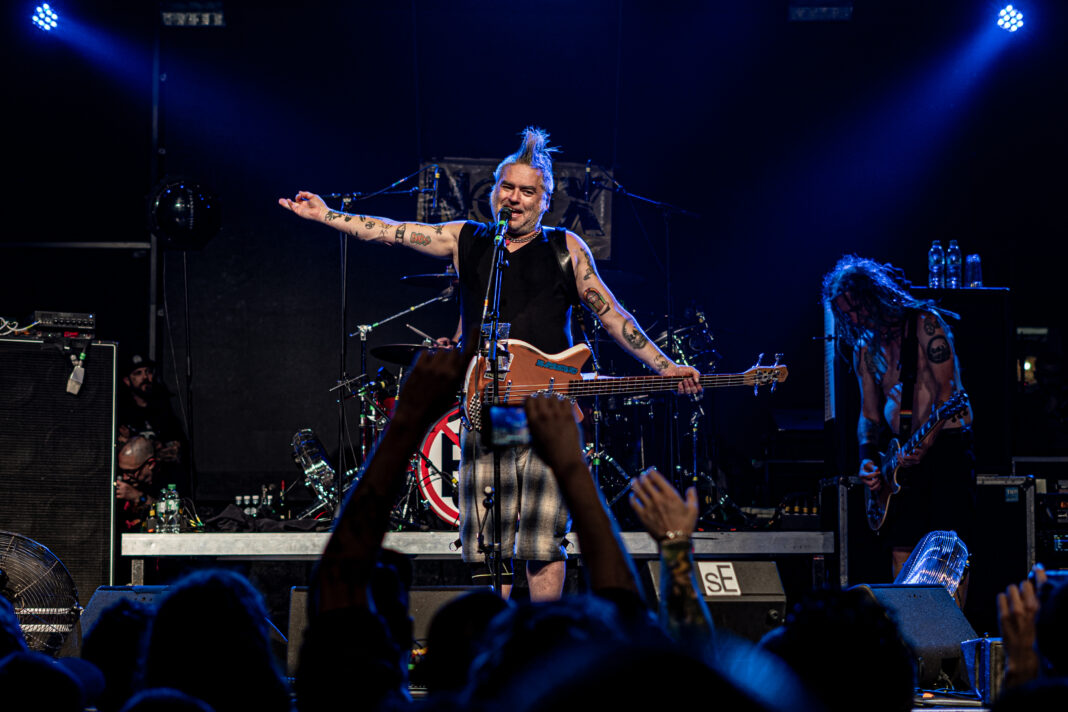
<point x="775" y="381"/>
<point x="759" y="359"/>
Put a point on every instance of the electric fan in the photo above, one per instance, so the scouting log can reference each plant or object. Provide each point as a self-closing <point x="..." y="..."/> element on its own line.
<point x="40" y="589"/>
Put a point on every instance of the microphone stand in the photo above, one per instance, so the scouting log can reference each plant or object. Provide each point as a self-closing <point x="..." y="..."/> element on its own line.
<point x="346" y="200"/>
<point x="491" y="323"/>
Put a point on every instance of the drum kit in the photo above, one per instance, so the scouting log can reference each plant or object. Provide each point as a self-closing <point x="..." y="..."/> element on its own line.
<point x="624" y="435"/>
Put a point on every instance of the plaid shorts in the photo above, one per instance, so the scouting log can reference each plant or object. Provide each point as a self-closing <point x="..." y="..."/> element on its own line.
<point x="531" y="502"/>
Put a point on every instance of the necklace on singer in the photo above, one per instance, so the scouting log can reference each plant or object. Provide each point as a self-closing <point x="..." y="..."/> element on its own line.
<point x="521" y="240"/>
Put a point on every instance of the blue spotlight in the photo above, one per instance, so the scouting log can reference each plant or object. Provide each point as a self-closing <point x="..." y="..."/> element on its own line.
<point x="45" y="18"/>
<point x="1010" y="19"/>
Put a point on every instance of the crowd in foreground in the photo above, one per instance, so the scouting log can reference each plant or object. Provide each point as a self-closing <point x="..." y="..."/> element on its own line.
<point x="206" y="646"/>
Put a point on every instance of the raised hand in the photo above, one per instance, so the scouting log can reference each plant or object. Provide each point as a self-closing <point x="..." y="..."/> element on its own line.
<point x="554" y="432"/>
<point x="662" y="511"/>
<point x="433" y="383"/>
<point x="1017" y="611"/>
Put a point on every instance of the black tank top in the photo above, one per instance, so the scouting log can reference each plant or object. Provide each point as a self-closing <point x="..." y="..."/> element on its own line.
<point x="534" y="297"/>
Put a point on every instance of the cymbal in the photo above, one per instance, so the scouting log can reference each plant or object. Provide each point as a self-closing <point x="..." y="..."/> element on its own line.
<point x="400" y="354"/>
<point x="436" y="281"/>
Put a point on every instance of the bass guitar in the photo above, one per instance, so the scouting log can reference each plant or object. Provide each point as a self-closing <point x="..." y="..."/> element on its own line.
<point x="524" y="370"/>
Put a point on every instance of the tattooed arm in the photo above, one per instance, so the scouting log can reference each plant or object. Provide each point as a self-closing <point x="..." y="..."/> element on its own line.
<point x="437" y="240"/>
<point x="936" y="379"/>
<point x="620" y="324"/>
<point x="870" y="414"/>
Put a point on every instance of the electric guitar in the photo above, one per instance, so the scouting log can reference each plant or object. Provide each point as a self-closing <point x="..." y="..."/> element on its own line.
<point x="525" y="370"/>
<point x="879" y="502"/>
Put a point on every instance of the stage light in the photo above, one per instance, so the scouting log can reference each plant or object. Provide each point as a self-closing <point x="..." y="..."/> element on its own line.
<point x="45" y="18"/>
<point x="1010" y="19"/>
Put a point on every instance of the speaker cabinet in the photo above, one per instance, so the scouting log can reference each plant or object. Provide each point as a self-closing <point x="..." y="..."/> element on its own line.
<point x="933" y="625"/>
<point x="59" y="455"/>
<point x="1002" y="548"/>
<point x="744" y="597"/>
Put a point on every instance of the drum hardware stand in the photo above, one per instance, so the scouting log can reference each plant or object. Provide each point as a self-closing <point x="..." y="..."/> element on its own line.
<point x="346" y="201"/>
<point x="364" y="331"/>
<point x="666" y="212"/>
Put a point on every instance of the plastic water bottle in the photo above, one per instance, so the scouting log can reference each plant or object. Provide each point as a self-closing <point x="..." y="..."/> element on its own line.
<point x="170" y="516"/>
<point x="953" y="265"/>
<point x="936" y="266"/>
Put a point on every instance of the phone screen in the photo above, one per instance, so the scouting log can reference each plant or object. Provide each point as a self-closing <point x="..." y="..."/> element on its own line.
<point x="508" y="426"/>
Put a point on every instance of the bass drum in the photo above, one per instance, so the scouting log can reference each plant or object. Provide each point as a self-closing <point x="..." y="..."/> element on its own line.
<point x="440" y="484"/>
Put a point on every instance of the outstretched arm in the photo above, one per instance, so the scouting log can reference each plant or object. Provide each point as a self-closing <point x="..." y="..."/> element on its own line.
<point x="438" y="240"/>
<point x="620" y="324"/>
<point x="555" y="437"/>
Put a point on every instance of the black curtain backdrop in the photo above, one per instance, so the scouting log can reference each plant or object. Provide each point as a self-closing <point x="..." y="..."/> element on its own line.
<point x="794" y="142"/>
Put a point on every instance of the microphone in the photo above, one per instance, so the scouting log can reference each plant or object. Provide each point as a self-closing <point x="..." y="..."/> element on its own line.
<point x="77" y="376"/>
<point x="503" y="216"/>
<point x="434" y="201"/>
<point x="586" y="183"/>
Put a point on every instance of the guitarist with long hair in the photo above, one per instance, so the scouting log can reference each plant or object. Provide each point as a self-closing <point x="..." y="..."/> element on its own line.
<point x="894" y="339"/>
<point x="549" y="271"/>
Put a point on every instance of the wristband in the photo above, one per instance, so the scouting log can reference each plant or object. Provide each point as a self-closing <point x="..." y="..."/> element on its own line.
<point x="869" y="451"/>
<point x="674" y="536"/>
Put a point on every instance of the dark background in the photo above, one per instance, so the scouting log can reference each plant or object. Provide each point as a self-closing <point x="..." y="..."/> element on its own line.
<point x="794" y="142"/>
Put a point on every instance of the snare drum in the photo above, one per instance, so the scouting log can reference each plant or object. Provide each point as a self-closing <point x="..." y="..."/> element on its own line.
<point x="442" y="447"/>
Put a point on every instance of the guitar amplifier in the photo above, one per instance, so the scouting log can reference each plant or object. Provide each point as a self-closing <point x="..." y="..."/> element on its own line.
<point x="1003" y="544"/>
<point x="59" y="455"/>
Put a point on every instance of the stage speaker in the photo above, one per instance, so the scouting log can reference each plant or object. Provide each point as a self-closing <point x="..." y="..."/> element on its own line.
<point x="59" y="455"/>
<point x="423" y="603"/>
<point x="103" y="598"/>
<point x="744" y="597"/>
<point x="933" y="625"/>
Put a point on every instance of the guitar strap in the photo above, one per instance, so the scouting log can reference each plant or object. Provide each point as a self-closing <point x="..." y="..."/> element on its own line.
<point x="910" y="345"/>
<point x="558" y="239"/>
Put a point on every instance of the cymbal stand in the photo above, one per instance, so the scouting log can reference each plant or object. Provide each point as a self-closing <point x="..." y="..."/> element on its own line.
<point x="364" y="331"/>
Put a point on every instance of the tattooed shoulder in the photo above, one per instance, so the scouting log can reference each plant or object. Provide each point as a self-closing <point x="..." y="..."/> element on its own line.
<point x="938" y="350"/>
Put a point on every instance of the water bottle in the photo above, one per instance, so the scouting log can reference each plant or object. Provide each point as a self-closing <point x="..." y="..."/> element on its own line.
<point x="172" y="521"/>
<point x="953" y="265"/>
<point x="936" y="266"/>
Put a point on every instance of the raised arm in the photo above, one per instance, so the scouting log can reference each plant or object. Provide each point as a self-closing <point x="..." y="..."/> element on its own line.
<point x="555" y="437"/>
<point x="623" y="327"/>
<point x="438" y="240"/>
<point x="343" y="573"/>
<point x="671" y="520"/>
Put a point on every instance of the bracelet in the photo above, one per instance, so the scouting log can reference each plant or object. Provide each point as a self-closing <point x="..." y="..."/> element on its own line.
<point x="675" y="535"/>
